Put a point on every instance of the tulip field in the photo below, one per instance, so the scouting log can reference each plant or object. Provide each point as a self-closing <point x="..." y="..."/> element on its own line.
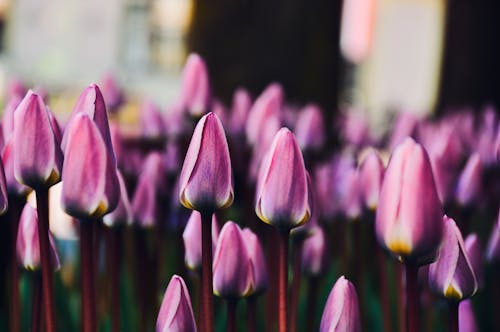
<point x="257" y="216"/>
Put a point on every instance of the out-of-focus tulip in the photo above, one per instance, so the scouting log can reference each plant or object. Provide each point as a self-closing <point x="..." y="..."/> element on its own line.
<point x="282" y="196"/>
<point x="90" y="185"/>
<point x="176" y="312"/>
<point x="122" y="214"/>
<point x="404" y="126"/>
<point x="351" y="195"/>
<point x="357" y="29"/>
<point x="257" y="260"/>
<point x="466" y="319"/>
<point x="474" y="251"/>
<point x="206" y="180"/>
<point x="195" y="90"/>
<point x="409" y="215"/>
<point x="151" y="184"/>
<point x="192" y="239"/>
<point x="112" y="93"/>
<point x="219" y="109"/>
<point x="371" y="173"/>
<point x="151" y="121"/>
<point x="469" y="182"/>
<point x="493" y="249"/>
<point x="310" y="128"/>
<point x="452" y="275"/>
<point x="28" y="245"/>
<point x="314" y="252"/>
<point x="341" y="312"/>
<point x="264" y="141"/>
<point x="3" y="191"/>
<point x="8" y="117"/>
<point x="15" y="88"/>
<point x="13" y="186"/>
<point x="232" y="268"/>
<point x="239" y="111"/>
<point x="354" y="128"/>
<point x="37" y="156"/>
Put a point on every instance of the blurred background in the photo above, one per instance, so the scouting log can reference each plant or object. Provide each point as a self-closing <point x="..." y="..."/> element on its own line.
<point x="374" y="55"/>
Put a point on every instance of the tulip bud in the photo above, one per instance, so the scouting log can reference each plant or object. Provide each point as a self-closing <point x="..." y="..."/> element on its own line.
<point x="192" y="239"/>
<point x="112" y="93"/>
<point x="206" y="180"/>
<point x="3" y="191"/>
<point x="351" y="198"/>
<point x="257" y="261"/>
<point x="314" y="252"/>
<point x="371" y="173"/>
<point x="13" y="186"/>
<point x="469" y="183"/>
<point x="15" y="88"/>
<point x="90" y="185"/>
<point x="404" y="126"/>
<point x="232" y="269"/>
<point x="466" y="319"/>
<point x="239" y="111"/>
<point x="195" y="90"/>
<point x="122" y="214"/>
<point x="37" y="155"/>
<point x="28" y="245"/>
<point x="493" y="249"/>
<point x="151" y="119"/>
<point x="474" y="251"/>
<point x="341" y="312"/>
<point x="452" y="275"/>
<point x="176" y="312"/>
<point x="409" y="215"/>
<point x="310" y="129"/>
<point x="8" y="117"/>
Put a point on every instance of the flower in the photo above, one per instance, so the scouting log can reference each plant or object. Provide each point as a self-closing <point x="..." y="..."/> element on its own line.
<point x="195" y="90"/>
<point x="257" y="261"/>
<point x="192" y="239"/>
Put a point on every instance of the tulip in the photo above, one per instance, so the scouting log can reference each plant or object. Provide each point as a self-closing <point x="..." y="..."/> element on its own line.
<point x="354" y="129"/>
<point x="37" y="156"/>
<point x="239" y="111"/>
<point x="176" y="313"/>
<point x="195" y="90"/>
<point x="405" y="125"/>
<point x="8" y="117"/>
<point x="452" y="275"/>
<point x="466" y="319"/>
<point x="3" y="191"/>
<point x="192" y="239"/>
<point x="474" y="251"/>
<point x="408" y="220"/>
<point x="371" y="173"/>
<point x="351" y="197"/>
<point x="15" y="88"/>
<point x="112" y="93"/>
<point x="493" y="249"/>
<point x="257" y="261"/>
<point x="151" y="121"/>
<point x="310" y="129"/>
<point x="469" y="182"/>
<point x="341" y="312"/>
<point x="314" y="254"/>
<point x="122" y="214"/>
<point x="13" y="186"/>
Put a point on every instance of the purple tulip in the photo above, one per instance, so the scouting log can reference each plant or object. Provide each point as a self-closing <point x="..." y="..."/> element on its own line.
<point x="242" y="102"/>
<point x="151" y="121"/>
<point x="466" y="319"/>
<point x="28" y="245"/>
<point x="8" y="117"/>
<point x="310" y="128"/>
<point x="469" y="182"/>
<point x="192" y="239"/>
<point x="206" y="180"/>
<point x="219" y="109"/>
<point x="112" y="93"/>
<point x="3" y="191"/>
<point x="264" y="141"/>
<point x="354" y="128"/>
<point x="37" y="156"/>
<point x="493" y="249"/>
<point x="176" y="312"/>
<point x="314" y="254"/>
<point x="90" y="185"/>
<point x="282" y="197"/>
<point x="409" y="216"/>
<point x="371" y="174"/>
<point x="341" y="312"/>
<point x="404" y="126"/>
<point x="474" y="251"/>
<point x="195" y="90"/>
<point x="232" y="268"/>
<point x="13" y="186"/>
<point x="15" y="88"/>
<point x="351" y="195"/>
<point x="452" y="275"/>
<point x="122" y="214"/>
<point x="257" y="261"/>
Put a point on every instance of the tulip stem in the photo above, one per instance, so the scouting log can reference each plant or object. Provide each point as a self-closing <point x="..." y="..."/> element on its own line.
<point x="312" y="298"/>
<point x="294" y="293"/>
<point x="231" y="315"/>
<point x="412" y="298"/>
<point x="384" y="289"/>
<point x="452" y="316"/>
<point x="88" y="316"/>
<point x="206" y="273"/>
<point x="283" y="281"/>
<point x="251" y="314"/>
<point x="42" y="204"/>
<point x="36" y="281"/>
<point x="14" y="212"/>
<point x="114" y="251"/>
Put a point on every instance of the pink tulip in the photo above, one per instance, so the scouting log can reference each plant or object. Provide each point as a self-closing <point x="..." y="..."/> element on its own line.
<point x="192" y="239"/>
<point x="371" y="174"/>
<point x="257" y="261"/>
<point x="310" y="128"/>
<point x="195" y="90"/>
<point x="122" y="214"/>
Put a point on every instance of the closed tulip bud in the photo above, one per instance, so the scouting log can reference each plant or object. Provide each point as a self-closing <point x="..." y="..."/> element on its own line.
<point x="404" y="125"/>
<point x="474" y="251"/>
<point x="8" y="117"/>
<point x="192" y="239"/>
<point x="452" y="275"/>
<point x="314" y="252"/>
<point x="28" y="245"/>
<point x="3" y="191"/>
<point x="15" y="88"/>
<point x="151" y="121"/>
<point x="206" y="180"/>
<point x="310" y="129"/>
<point x="493" y="249"/>
<point x="90" y="185"/>
<point x="195" y="90"/>
<point x="112" y="93"/>
<point x="341" y="312"/>
<point x="176" y="312"/>
<point x="239" y="111"/>
<point x="37" y="156"/>
<point x="351" y="195"/>
<point x="409" y="215"/>
<point x="150" y="187"/>
<point x="466" y="319"/>
<point x="13" y="186"/>
<point x="257" y="260"/>
<point x="231" y="267"/>
<point x="371" y="174"/>
<point x="469" y="182"/>
<point x="122" y="214"/>
<point x="282" y="197"/>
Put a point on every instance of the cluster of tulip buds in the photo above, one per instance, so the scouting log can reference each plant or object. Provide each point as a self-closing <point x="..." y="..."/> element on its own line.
<point x="262" y="202"/>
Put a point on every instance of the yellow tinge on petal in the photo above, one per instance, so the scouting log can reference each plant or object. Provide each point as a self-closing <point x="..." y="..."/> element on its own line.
<point x="53" y="178"/>
<point x="399" y="247"/>
<point x="452" y="293"/>
<point x="100" y="210"/>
